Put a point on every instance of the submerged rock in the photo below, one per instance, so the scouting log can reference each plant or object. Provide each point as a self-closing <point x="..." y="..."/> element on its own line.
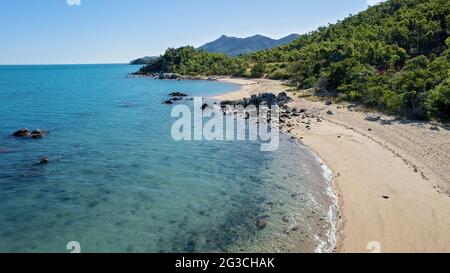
<point x="38" y="133"/>
<point x="177" y="94"/>
<point x="44" y="161"/>
<point x="4" y="150"/>
<point x="261" y="224"/>
<point x="21" y="132"/>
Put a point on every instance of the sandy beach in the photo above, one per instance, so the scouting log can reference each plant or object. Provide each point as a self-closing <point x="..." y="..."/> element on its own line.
<point x="391" y="175"/>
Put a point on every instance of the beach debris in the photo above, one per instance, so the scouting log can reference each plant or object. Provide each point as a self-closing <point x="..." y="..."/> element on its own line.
<point x="370" y="129"/>
<point x="44" y="161"/>
<point x="385" y="197"/>
<point x="21" y="132"/>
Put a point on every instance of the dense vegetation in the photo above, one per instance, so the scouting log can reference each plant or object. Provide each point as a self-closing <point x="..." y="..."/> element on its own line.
<point x="394" y="56"/>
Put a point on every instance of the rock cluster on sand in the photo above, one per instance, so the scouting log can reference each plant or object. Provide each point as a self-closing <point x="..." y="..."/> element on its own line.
<point x="268" y="99"/>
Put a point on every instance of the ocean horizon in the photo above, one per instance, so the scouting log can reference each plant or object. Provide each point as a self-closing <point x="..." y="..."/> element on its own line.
<point x="117" y="182"/>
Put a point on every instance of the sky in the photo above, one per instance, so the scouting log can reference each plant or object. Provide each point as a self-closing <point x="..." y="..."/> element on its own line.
<point x="116" y="31"/>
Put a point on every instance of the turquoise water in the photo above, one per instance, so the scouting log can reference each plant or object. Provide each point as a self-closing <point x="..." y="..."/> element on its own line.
<point x="117" y="182"/>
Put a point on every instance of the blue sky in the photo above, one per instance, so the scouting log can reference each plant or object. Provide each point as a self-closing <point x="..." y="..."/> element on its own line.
<point x="115" y="31"/>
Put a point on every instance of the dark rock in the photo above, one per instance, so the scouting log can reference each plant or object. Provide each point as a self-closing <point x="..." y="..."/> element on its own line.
<point x="328" y="102"/>
<point x="38" y="133"/>
<point x="21" y="132"/>
<point x="283" y="99"/>
<point x="434" y="128"/>
<point x="329" y="112"/>
<point x="44" y="161"/>
<point x="385" y="197"/>
<point x="268" y="99"/>
<point x="204" y="106"/>
<point x="261" y="223"/>
<point x="177" y="94"/>
<point x="168" y="102"/>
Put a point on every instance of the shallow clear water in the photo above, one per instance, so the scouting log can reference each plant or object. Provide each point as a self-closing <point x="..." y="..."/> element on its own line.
<point x="117" y="182"/>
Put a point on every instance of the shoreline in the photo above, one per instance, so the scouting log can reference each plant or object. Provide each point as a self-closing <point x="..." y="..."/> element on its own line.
<point x="390" y="177"/>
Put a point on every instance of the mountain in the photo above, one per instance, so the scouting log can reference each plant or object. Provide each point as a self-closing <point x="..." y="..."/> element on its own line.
<point x="143" y="61"/>
<point x="394" y="57"/>
<point x="233" y="46"/>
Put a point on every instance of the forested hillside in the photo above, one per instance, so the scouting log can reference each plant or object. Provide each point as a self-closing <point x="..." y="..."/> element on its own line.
<point x="233" y="46"/>
<point x="394" y="56"/>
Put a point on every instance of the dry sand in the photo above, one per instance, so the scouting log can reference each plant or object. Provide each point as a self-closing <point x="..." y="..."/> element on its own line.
<point x="392" y="176"/>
